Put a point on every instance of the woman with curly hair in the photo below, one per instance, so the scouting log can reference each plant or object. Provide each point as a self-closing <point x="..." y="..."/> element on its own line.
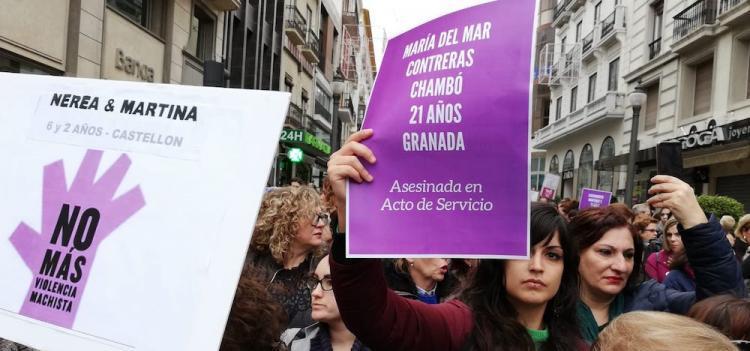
<point x="286" y="246"/>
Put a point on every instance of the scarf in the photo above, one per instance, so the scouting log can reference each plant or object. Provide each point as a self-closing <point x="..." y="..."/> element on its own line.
<point x="588" y="325"/>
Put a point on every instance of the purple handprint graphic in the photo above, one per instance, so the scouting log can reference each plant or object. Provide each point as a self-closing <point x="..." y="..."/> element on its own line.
<point x="74" y="222"/>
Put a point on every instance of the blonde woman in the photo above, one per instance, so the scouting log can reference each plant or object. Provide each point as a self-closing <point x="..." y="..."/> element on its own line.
<point x="287" y="244"/>
<point x="742" y="236"/>
<point x="425" y="279"/>
<point x="660" y="331"/>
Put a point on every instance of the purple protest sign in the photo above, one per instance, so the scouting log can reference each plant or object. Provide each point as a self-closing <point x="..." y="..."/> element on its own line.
<point x="594" y="198"/>
<point x="74" y="222"/>
<point x="450" y="114"/>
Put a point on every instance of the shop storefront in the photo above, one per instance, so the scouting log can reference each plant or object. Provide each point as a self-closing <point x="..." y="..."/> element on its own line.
<point x="719" y="159"/>
<point x="314" y="161"/>
<point x="715" y="160"/>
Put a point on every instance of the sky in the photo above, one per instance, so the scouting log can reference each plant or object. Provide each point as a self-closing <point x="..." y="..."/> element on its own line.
<point x="397" y="16"/>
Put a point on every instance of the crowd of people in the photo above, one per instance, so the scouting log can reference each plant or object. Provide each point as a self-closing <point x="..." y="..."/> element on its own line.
<point x="609" y="278"/>
<point x="662" y="275"/>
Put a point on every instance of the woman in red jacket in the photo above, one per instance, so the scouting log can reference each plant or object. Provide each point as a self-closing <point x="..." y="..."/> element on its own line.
<point x="507" y="305"/>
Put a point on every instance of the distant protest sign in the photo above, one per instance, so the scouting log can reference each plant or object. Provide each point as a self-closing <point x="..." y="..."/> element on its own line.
<point x="450" y="111"/>
<point x="549" y="187"/>
<point x="594" y="198"/>
<point x="127" y="210"/>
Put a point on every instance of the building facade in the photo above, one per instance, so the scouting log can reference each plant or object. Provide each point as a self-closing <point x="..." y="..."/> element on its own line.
<point x="357" y="69"/>
<point x="540" y="113"/>
<point x="314" y="50"/>
<point x="150" y="41"/>
<point x="690" y="57"/>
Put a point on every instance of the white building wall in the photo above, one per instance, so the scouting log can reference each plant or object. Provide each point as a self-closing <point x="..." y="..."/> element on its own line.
<point x="727" y="43"/>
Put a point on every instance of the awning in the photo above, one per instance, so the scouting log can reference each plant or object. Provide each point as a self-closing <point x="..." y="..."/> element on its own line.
<point x="716" y="154"/>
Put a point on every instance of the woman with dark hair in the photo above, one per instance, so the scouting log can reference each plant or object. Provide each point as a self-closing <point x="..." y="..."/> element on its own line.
<point x="609" y="255"/>
<point x="255" y="320"/>
<point x="728" y="314"/>
<point x="507" y="304"/>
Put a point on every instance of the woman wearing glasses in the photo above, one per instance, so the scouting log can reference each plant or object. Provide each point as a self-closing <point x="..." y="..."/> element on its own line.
<point x="329" y="331"/>
<point x="648" y="233"/>
<point x="286" y="245"/>
<point x="507" y="304"/>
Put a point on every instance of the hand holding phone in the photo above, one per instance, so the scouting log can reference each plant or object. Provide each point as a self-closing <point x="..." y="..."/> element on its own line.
<point x="669" y="159"/>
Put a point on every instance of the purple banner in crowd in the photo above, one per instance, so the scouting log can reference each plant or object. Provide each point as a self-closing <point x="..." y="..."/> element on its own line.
<point x="450" y="114"/>
<point x="594" y="198"/>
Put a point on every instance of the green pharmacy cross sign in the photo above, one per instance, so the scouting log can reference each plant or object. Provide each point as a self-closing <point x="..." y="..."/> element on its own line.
<point x="305" y="140"/>
<point x="295" y="155"/>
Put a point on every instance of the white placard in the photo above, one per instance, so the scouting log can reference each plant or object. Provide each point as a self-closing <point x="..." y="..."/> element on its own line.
<point x="550" y="185"/>
<point x="127" y="209"/>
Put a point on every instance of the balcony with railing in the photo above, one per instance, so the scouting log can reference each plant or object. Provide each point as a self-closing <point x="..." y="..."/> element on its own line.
<point x="575" y="5"/>
<point x="294" y="115"/>
<point x="654" y="48"/>
<point x="694" y="26"/>
<point x="611" y="106"/>
<point x="611" y="26"/>
<point x="562" y="14"/>
<point x="311" y="48"/>
<point x="587" y="46"/>
<point x="346" y="106"/>
<point x="734" y="12"/>
<point x="557" y="63"/>
<point x="294" y="25"/>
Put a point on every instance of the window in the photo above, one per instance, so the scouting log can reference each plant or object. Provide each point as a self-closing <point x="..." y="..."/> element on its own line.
<point x="592" y="88"/>
<point x="703" y="84"/>
<point x="658" y="11"/>
<point x="309" y="18"/>
<point x="554" y="166"/>
<point x="288" y="83"/>
<point x="585" y="168"/>
<point x="558" y="108"/>
<point x="652" y="107"/>
<point x="201" y="41"/>
<point x="573" y="99"/>
<point x="578" y="31"/>
<point x="562" y="45"/>
<point x="545" y="112"/>
<point x="607" y="176"/>
<point x="537" y="173"/>
<point x="597" y="12"/>
<point x="614" y="72"/>
<point x="147" y="13"/>
<point x="657" y="15"/>
<point x="305" y="102"/>
<point x="8" y="64"/>
<point x="568" y="175"/>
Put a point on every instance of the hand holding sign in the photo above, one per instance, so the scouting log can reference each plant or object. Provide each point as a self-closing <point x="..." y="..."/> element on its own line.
<point x="345" y="164"/>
